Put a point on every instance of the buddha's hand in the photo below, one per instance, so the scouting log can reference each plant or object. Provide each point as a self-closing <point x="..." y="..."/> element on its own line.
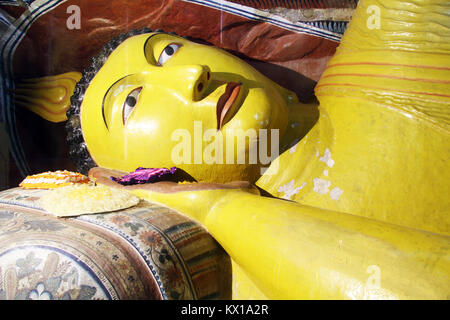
<point x="194" y="199"/>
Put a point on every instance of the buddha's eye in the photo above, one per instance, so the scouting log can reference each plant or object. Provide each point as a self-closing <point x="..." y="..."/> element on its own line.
<point x="130" y="103"/>
<point x="168" y="52"/>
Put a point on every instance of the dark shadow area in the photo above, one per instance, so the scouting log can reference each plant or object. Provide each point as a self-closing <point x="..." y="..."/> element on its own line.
<point x="301" y="85"/>
<point x="179" y="176"/>
<point x="44" y="143"/>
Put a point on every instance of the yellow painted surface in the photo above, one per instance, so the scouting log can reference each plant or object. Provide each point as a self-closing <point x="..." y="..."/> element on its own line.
<point x="381" y="146"/>
<point x="243" y="287"/>
<point x="286" y="250"/>
<point x="173" y="97"/>
<point x="369" y="183"/>
<point x="49" y="97"/>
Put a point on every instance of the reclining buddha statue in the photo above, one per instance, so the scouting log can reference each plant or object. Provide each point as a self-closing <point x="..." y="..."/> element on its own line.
<point x="355" y="203"/>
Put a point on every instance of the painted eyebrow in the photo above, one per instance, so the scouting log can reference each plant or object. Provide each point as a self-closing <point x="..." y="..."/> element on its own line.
<point x="107" y="91"/>
<point x="104" y="97"/>
<point x="148" y="39"/>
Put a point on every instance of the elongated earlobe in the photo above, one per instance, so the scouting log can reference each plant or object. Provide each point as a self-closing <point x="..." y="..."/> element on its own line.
<point x="48" y="97"/>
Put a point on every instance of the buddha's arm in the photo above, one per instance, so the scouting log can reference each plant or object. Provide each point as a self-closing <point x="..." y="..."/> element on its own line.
<point x="291" y="251"/>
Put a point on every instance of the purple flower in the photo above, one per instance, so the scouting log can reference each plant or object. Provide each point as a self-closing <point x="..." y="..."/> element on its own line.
<point x="145" y="175"/>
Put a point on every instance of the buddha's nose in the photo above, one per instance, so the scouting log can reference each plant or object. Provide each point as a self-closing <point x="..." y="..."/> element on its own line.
<point x="191" y="81"/>
<point x="202" y="83"/>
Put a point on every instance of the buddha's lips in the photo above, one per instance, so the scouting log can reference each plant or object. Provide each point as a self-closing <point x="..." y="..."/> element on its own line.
<point x="226" y="101"/>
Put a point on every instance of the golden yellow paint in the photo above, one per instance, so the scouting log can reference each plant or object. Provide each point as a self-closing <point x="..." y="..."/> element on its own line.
<point x="184" y="89"/>
<point x="369" y="182"/>
<point x="49" y="97"/>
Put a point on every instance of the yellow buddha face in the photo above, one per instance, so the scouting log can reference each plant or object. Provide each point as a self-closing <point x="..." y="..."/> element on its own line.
<point x="156" y="89"/>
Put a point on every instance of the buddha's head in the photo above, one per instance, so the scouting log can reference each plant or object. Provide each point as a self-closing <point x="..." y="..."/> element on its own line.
<point x="154" y="99"/>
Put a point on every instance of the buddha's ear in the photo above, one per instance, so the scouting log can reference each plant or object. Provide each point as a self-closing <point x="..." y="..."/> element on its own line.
<point x="48" y="97"/>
